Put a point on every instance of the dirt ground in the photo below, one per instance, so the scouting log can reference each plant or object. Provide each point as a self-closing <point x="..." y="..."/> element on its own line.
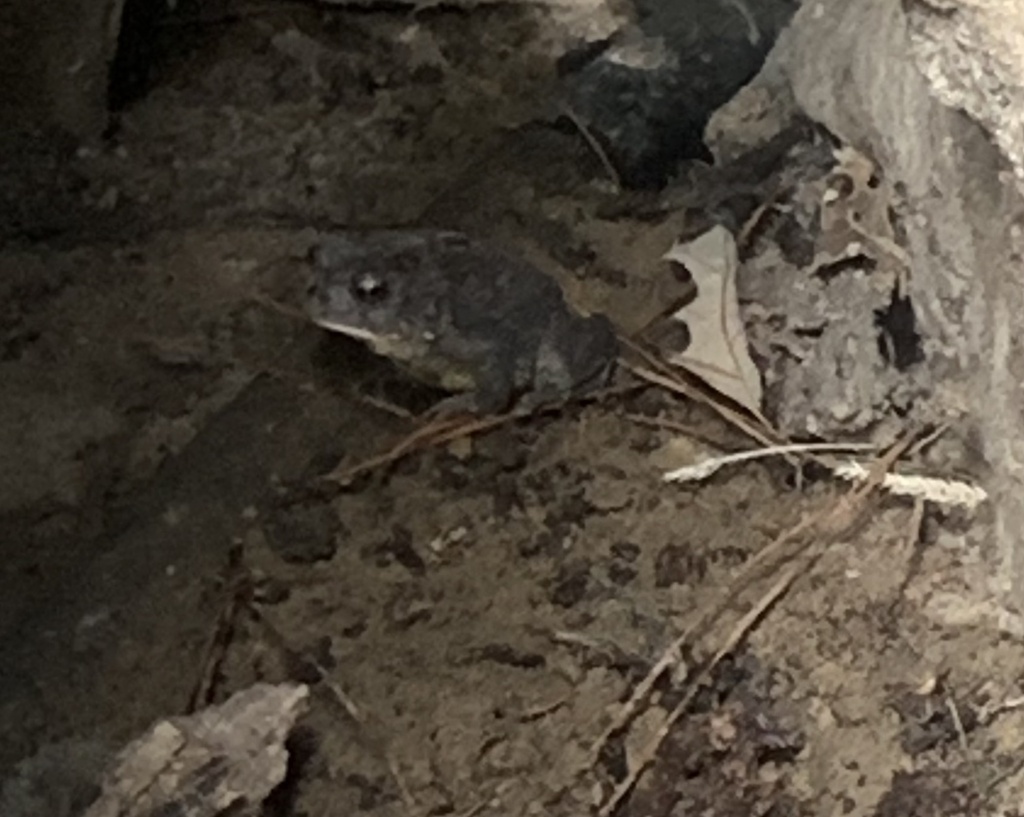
<point x="489" y="606"/>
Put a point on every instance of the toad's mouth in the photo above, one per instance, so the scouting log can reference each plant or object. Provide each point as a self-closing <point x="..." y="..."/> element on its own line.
<point x="392" y="346"/>
<point x="347" y="329"/>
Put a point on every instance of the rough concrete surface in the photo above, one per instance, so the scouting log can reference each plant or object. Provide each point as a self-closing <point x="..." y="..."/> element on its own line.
<point x="931" y="92"/>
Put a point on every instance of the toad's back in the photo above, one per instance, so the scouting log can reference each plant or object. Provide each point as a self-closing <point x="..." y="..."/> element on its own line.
<point x="459" y="313"/>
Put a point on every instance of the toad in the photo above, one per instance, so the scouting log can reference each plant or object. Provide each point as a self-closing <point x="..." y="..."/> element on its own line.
<point x="461" y="315"/>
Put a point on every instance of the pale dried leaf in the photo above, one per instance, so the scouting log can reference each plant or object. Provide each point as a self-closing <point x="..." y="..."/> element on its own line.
<point x="718" y="352"/>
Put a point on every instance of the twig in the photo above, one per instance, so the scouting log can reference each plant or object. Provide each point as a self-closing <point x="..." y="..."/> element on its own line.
<point x="731" y="416"/>
<point x="399" y="778"/>
<point x="345" y="702"/>
<point x="474" y="810"/>
<point x="747" y="229"/>
<point x="440" y="432"/>
<point x="961" y="734"/>
<point x="746" y="232"/>
<point x="926" y="440"/>
<point x="276" y="306"/>
<point x="238" y="584"/>
<point x="740" y="631"/>
<point x="387" y="407"/>
<point x="835" y="520"/>
<point x="662" y="374"/>
<point x="708" y="394"/>
<point x="987" y="715"/>
<point x="832" y="521"/>
<point x="595" y="146"/>
<point x="281" y="643"/>
<point x="707" y="467"/>
<point x="912" y="547"/>
<point x="432" y="434"/>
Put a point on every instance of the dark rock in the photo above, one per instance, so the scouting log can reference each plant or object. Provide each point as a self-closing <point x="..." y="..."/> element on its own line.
<point x="650" y="92"/>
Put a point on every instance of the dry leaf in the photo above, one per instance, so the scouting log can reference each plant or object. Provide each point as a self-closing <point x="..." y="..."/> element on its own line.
<point x="718" y="352"/>
<point x="855" y="216"/>
<point x="225" y="757"/>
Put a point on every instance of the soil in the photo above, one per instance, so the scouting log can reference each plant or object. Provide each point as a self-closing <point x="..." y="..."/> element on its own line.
<point x="473" y="617"/>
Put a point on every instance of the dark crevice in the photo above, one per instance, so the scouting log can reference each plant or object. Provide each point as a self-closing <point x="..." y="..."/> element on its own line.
<point x="137" y="52"/>
<point x="898" y="341"/>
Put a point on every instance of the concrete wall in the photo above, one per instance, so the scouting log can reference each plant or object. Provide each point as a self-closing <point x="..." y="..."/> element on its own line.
<point x="936" y="96"/>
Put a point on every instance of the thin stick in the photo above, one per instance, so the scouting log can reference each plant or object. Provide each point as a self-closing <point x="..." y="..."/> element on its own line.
<point x="731" y="416"/>
<point x="277" y="306"/>
<point x="965" y="747"/>
<point x="704" y="469"/>
<point x="595" y="146"/>
<point x="367" y="724"/>
<point x="278" y="639"/>
<point x="740" y="631"/>
<point x="670" y="378"/>
<point x="238" y="592"/>
<point x="440" y="432"/>
<point x="387" y="407"/>
<point x="840" y="516"/>
<point x="427" y="436"/>
<point x="831" y="520"/>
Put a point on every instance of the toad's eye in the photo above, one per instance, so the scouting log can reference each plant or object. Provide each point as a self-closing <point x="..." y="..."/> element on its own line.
<point x="369" y="289"/>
